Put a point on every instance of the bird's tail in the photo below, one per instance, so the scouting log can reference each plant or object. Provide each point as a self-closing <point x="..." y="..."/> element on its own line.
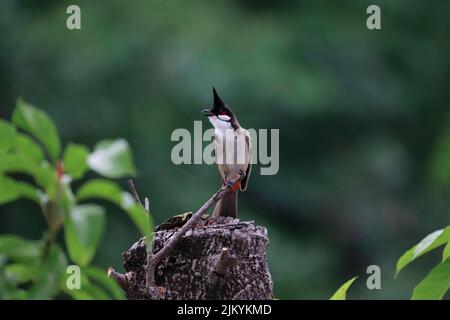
<point x="227" y="206"/>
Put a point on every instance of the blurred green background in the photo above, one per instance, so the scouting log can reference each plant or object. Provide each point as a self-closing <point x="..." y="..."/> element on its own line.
<point x="363" y="118"/>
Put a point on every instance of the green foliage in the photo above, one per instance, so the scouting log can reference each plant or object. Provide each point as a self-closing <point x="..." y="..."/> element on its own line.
<point x="446" y="252"/>
<point x="98" y="275"/>
<point x="437" y="282"/>
<point x="83" y="230"/>
<point x="110" y="191"/>
<point x="75" y="160"/>
<point x="430" y="242"/>
<point x="112" y="159"/>
<point x="13" y="190"/>
<point x="26" y="147"/>
<point x="49" y="275"/>
<point x="40" y="266"/>
<point x="341" y="293"/>
<point x="18" y="249"/>
<point x="18" y="162"/>
<point x="8" y="134"/>
<point x="95" y="286"/>
<point x="38" y="124"/>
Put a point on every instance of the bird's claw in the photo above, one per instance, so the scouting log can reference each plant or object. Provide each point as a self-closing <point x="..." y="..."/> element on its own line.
<point x="228" y="183"/>
<point x="232" y="186"/>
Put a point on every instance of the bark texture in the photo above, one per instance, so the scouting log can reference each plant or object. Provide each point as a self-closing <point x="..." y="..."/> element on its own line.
<point x="212" y="261"/>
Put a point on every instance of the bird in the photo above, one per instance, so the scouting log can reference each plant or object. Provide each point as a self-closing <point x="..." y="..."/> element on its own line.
<point x="232" y="147"/>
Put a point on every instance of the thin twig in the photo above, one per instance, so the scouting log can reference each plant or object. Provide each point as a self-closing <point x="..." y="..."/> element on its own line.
<point x="133" y="190"/>
<point x="170" y="245"/>
<point x="148" y="244"/>
<point x="122" y="279"/>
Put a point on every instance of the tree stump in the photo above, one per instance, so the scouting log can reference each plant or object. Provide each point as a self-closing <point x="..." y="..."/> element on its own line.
<point x="212" y="261"/>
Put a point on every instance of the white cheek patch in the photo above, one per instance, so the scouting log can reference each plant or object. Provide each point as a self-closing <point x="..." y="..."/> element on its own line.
<point x="219" y="124"/>
<point x="224" y="117"/>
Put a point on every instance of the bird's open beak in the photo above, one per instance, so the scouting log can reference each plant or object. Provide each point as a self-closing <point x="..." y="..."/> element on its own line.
<point x="207" y="113"/>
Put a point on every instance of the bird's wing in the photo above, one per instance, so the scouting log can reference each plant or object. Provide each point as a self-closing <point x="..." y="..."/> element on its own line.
<point x="244" y="181"/>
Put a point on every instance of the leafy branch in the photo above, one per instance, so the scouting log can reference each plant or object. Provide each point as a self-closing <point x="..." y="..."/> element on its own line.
<point x="435" y="285"/>
<point x="30" y="145"/>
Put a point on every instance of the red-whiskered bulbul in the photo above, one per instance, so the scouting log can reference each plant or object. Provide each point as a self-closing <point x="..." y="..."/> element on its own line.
<point x="232" y="146"/>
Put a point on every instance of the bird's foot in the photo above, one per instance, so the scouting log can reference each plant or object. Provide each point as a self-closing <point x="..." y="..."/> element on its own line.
<point x="233" y="186"/>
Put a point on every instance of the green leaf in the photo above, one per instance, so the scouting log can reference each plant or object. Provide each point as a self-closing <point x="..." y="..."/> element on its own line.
<point x="435" y="284"/>
<point x="87" y="291"/>
<point x="96" y="292"/>
<point x="12" y="189"/>
<point x="19" y="249"/>
<point x="7" y="135"/>
<point x="446" y="252"/>
<point x="25" y="146"/>
<point x="68" y="200"/>
<point x="79" y="294"/>
<point x="110" y="284"/>
<point x="435" y="238"/>
<point x="39" y="124"/>
<point x="430" y="242"/>
<point x="83" y="231"/>
<point x="100" y="189"/>
<point x="49" y="275"/>
<point x="75" y="160"/>
<point x="43" y="174"/>
<point x="341" y="293"/>
<point x="141" y="219"/>
<point x="112" y="159"/>
<point x="110" y="191"/>
<point x="19" y="272"/>
<point x="19" y="294"/>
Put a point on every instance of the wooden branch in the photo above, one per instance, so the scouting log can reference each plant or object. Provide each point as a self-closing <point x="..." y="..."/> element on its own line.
<point x="170" y="245"/>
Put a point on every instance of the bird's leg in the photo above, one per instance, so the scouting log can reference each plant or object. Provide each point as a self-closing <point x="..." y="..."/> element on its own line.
<point x="227" y="182"/>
